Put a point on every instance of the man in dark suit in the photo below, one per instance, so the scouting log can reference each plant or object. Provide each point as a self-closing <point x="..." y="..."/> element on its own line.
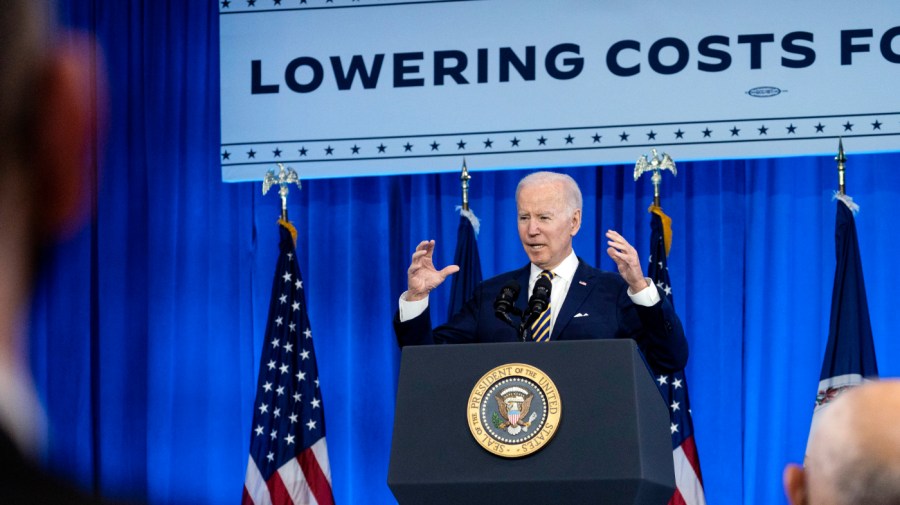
<point x="46" y="114"/>
<point x="585" y="303"/>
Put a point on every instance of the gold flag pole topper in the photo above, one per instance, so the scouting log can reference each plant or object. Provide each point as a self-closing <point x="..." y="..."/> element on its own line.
<point x="464" y="177"/>
<point x="657" y="163"/>
<point x="285" y="177"/>
<point x="841" y="160"/>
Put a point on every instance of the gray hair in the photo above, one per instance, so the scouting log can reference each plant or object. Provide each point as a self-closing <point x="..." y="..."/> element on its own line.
<point x="570" y="187"/>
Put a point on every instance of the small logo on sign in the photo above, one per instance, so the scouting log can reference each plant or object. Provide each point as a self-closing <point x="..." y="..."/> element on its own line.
<point x="513" y="410"/>
<point x="765" y="91"/>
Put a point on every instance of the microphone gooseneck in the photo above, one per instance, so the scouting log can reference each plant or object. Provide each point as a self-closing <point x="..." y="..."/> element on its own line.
<point x="504" y="304"/>
<point x="537" y="304"/>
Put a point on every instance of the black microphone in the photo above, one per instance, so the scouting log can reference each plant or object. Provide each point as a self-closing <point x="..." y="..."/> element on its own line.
<point x="505" y="301"/>
<point x="540" y="299"/>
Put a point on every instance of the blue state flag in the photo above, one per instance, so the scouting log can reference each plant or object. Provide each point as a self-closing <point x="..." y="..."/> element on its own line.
<point x="466" y="257"/>
<point x="850" y="351"/>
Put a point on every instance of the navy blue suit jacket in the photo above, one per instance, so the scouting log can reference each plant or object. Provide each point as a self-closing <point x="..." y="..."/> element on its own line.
<point x="600" y="299"/>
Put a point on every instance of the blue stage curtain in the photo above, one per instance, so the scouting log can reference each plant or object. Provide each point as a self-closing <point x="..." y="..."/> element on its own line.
<point x="147" y="326"/>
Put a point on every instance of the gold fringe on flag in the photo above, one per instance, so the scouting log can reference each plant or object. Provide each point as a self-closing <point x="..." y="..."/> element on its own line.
<point x="667" y="225"/>
<point x="290" y="228"/>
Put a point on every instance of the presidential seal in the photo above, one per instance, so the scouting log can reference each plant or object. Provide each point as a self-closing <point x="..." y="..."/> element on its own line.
<point x="513" y="410"/>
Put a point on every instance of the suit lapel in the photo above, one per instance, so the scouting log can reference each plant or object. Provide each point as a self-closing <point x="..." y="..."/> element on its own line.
<point x="581" y="287"/>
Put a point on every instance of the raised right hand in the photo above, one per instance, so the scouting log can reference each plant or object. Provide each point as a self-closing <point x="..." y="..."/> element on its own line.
<point x="422" y="275"/>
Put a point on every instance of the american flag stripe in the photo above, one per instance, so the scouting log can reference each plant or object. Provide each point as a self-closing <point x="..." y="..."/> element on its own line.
<point x="255" y="490"/>
<point x="301" y="480"/>
<point x="320" y="451"/>
<point x="278" y="492"/>
<point x="690" y="451"/>
<point x="686" y="481"/>
<point x="315" y="486"/>
<point x="677" y="499"/>
<point x="293" y="481"/>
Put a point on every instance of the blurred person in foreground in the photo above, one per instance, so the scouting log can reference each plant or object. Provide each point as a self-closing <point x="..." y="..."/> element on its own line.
<point x="853" y="456"/>
<point x="47" y="119"/>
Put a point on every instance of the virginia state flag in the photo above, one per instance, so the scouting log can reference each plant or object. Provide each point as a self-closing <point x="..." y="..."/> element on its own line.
<point x="850" y="351"/>
<point x="466" y="257"/>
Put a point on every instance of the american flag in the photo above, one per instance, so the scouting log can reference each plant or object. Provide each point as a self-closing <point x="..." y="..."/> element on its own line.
<point x="288" y="456"/>
<point x="688" y="479"/>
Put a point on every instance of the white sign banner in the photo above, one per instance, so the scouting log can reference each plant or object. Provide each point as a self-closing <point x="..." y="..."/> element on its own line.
<point x="339" y="88"/>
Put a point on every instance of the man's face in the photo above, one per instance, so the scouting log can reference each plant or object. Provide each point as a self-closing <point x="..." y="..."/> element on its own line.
<point x="545" y="226"/>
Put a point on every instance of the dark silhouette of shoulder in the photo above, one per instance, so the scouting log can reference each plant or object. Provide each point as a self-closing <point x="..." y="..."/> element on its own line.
<point x="22" y="482"/>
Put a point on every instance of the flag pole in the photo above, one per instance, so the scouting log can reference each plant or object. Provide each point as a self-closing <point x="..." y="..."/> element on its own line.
<point x="285" y="177"/>
<point x="466" y="255"/>
<point x="841" y="161"/>
<point x="464" y="177"/>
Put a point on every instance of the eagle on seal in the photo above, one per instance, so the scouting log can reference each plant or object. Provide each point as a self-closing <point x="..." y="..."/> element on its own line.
<point x="514" y="405"/>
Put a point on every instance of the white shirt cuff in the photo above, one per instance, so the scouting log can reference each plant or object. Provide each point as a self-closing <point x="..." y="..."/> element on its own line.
<point x="646" y="297"/>
<point x="411" y="310"/>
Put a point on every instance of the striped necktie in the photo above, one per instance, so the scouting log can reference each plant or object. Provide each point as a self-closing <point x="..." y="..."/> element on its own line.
<point x="540" y="329"/>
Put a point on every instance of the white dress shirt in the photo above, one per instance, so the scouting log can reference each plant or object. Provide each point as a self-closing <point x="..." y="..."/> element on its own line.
<point x="562" y="279"/>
